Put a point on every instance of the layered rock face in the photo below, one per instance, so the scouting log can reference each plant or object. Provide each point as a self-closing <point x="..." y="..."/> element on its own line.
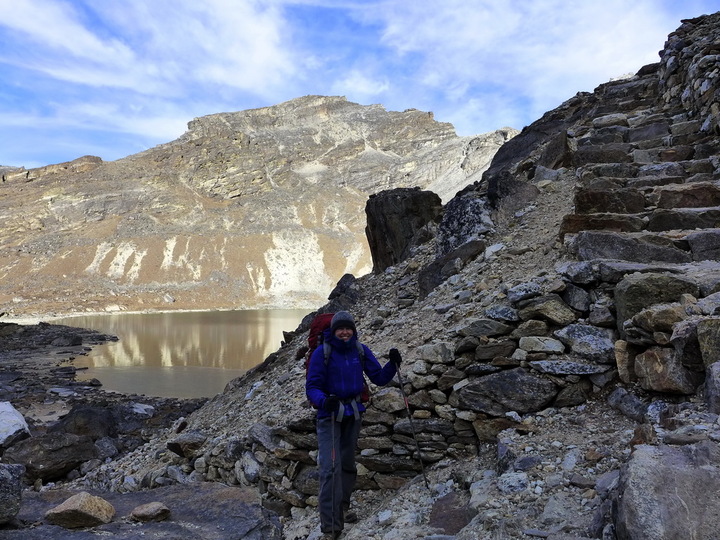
<point x="249" y="209"/>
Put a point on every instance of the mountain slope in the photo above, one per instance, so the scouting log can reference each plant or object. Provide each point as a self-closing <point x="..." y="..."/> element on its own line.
<point x="259" y="208"/>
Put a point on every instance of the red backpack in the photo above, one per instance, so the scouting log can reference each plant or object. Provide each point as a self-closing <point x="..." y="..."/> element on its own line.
<point x="319" y="324"/>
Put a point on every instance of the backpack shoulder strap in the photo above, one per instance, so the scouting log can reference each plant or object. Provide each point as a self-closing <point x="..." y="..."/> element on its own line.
<point x="327" y="349"/>
<point x="361" y="353"/>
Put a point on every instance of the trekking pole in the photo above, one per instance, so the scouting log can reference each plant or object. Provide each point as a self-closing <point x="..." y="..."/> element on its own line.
<point x="332" y="459"/>
<point x="412" y="427"/>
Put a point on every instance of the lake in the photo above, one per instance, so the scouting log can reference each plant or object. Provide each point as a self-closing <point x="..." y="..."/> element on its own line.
<point x="181" y="354"/>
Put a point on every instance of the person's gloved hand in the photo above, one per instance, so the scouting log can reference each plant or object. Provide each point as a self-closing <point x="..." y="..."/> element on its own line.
<point x="395" y="357"/>
<point x="331" y="404"/>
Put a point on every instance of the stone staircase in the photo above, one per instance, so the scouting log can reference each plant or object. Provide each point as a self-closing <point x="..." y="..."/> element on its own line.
<point x="648" y="187"/>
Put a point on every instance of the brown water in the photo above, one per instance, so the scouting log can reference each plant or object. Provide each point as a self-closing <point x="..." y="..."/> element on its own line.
<point x="189" y="354"/>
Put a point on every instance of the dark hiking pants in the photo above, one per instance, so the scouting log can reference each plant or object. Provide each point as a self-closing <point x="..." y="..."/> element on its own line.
<point x="346" y="436"/>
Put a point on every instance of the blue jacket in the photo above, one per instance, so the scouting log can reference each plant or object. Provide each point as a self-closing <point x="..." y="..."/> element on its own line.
<point x="343" y="374"/>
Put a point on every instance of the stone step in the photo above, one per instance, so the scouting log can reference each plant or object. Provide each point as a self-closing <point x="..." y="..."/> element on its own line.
<point x="662" y="153"/>
<point x="575" y="223"/>
<point x="691" y="195"/>
<point x="612" y="199"/>
<point x="678" y="247"/>
<point x="602" y="153"/>
<point x="665" y="219"/>
<point x="653" y="181"/>
<point x="588" y="245"/>
<point x="607" y="170"/>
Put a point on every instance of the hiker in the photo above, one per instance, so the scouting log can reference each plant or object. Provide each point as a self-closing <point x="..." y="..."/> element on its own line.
<point x="335" y="388"/>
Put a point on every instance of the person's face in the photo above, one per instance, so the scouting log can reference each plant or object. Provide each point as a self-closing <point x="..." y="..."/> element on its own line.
<point x="344" y="333"/>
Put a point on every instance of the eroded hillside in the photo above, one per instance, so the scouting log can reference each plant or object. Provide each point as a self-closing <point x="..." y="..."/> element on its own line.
<point x="245" y="210"/>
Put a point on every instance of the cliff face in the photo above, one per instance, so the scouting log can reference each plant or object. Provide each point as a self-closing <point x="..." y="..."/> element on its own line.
<point x="249" y="209"/>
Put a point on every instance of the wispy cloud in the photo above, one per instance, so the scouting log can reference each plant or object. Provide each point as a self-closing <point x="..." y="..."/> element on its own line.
<point x="119" y="76"/>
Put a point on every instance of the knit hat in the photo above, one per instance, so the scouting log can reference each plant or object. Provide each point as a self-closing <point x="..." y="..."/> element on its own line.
<point x="342" y="319"/>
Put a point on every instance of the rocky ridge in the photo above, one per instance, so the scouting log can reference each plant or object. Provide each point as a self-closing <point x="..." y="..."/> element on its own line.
<point x="186" y="225"/>
<point x="565" y="273"/>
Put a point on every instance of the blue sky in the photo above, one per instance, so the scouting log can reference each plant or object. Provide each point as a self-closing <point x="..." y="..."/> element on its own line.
<point x="115" y="77"/>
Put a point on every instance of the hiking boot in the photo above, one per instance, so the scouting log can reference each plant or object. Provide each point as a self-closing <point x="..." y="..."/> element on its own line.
<point x="331" y="536"/>
<point x="349" y="516"/>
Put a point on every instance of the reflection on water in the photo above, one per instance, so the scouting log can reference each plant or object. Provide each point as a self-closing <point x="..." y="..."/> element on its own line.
<point x="189" y="354"/>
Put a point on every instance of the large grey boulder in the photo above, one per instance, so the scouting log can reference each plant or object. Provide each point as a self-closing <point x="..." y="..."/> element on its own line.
<point x="591" y="342"/>
<point x="666" y="493"/>
<point x="95" y="422"/>
<point x="638" y="291"/>
<point x="13" y="426"/>
<point x="80" y="511"/>
<point x="51" y="456"/>
<point x="397" y="220"/>
<point x="660" y="369"/>
<point x="505" y="391"/>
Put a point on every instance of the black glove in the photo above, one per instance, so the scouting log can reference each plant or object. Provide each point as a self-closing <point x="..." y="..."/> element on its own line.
<point x="395" y="357"/>
<point x="331" y="404"/>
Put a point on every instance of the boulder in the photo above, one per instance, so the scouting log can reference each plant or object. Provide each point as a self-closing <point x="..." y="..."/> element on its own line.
<point x="436" y="353"/>
<point x="10" y="491"/>
<point x="494" y="349"/>
<point x="659" y="369"/>
<point x="388" y="400"/>
<point x="188" y="443"/>
<point x="628" y="404"/>
<point x="396" y="220"/>
<point x="541" y="344"/>
<point x="13" y="426"/>
<point x="550" y="308"/>
<point x="152" y="511"/>
<point x="660" y="317"/>
<point x="638" y="291"/>
<point x="451" y="513"/>
<point x="602" y="153"/>
<point x="591" y="342"/>
<point x="576" y="297"/>
<point x="51" y="456"/>
<point x="684" y="339"/>
<point x="524" y="291"/>
<point x="505" y="391"/>
<point x="465" y="218"/>
<point x="708" y="336"/>
<point x="664" y="493"/>
<point x="566" y="367"/>
<point x="81" y="510"/>
<point x="483" y="328"/>
<point x="94" y="422"/>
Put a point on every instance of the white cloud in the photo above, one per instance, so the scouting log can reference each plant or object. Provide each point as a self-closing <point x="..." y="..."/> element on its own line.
<point x="99" y="70"/>
<point x="363" y="86"/>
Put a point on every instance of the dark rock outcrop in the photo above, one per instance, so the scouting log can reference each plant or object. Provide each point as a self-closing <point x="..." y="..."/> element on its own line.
<point x="397" y="220"/>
